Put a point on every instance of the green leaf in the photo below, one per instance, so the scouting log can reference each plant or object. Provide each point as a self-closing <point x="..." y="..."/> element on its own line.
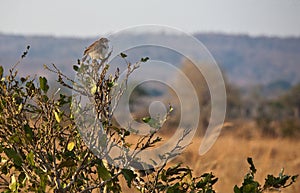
<point x="103" y="173"/>
<point x="1" y="72"/>
<point x="146" y="119"/>
<point x="75" y="67"/>
<point x="152" y="122"/>
<point x="12" y="154"/>
<point x="214" y="181"/>
<point x="67" y="163"/>
<point x="25" y="52"/>
<point x="30" y="158"/>
<point x="43" y="84"/>
<point x="23" y="79"/>
<point x="123" y="55"/>
<point x="201" y="184"/>
<point x="44" y="98"/>
<point x="43" y="183"/>
<point x="71" y="146"/>
<point x="22" y="178"/>
<point x="126" y="133"/>
<point x="294" y="178"/>
<point x="144" y="59"/>
<point x="110" y="84"/>
<point x="236" y="189"/>
<point x="63" y="99"/>
<point x="129" y="176"/>
<point x="30" y="88"/>
<point x="28" y="132"/>
<point x="250" y="188"/>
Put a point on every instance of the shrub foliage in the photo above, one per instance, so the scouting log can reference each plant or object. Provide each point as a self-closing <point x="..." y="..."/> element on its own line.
<point x="43" y="151"/>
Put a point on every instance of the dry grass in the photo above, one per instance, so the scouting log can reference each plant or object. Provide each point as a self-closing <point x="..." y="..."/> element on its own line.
<point x="227" y="159"/>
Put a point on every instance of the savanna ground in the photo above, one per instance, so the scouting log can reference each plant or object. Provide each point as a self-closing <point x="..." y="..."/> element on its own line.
<point x="227" y="158"/>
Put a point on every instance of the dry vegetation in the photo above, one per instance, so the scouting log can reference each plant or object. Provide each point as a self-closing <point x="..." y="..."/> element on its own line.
<point x="239" y="139"/>
<point x="227" y="158"/>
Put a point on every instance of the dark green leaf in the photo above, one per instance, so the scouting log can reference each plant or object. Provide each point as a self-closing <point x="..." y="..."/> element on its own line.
<point x="236" y="189"/>
<point x="110" y="84"/>
<point x="44" y="98"/>
<point x="4" y="170"/>
<point x="163" y="176"/>
<point x="43" y="84"/>
<point x="1" y="72"/>
<point x="201" y="184"/>
<point x="12" y="154"/>
<point x="144" y="59"/>
<point x="28" y="132"/>
<point x="252" y="167"/>
<point x="250" y="188"/>
<point x="30" y="88"/>
<point x="69" y="154"/>
<point x="25" y="52"/>
<point x="23" y="79"/>
<point x="103" y="173"/>
<point x="129" y="176"/>
<point x="126" y="133"/>
<point x="75" y="67"/>
<point x="22" y="178"/>
<point x="294" y="178"/>
<point x="123" y="55"/>
<point x="214" y="181"/>
<point x="67" y="163"/>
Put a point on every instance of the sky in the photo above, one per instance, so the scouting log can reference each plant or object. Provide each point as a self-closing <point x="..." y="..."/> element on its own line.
<point x="87" y="18"/>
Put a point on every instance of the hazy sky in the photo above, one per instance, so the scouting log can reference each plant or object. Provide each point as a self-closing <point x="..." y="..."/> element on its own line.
<point x="93" y="17"/>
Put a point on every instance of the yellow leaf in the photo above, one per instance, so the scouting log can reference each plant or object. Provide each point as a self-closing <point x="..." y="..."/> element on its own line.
<point x="57" y="116"/>
<point x="94" y="89"/>
<point x="71" y="146"/>
<point x="13" y="184"/>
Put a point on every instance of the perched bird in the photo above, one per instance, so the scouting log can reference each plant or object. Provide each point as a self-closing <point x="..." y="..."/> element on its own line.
<point x="96" y="50"/>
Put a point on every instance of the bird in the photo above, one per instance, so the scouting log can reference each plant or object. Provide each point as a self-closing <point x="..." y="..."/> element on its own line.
<point x="96" y="50"/>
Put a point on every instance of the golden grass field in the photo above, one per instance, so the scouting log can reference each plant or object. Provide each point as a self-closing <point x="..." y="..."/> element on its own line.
<point x="227" y="159"/>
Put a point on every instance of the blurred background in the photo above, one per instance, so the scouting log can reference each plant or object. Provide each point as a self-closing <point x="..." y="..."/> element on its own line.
<point x="255" y="43"/>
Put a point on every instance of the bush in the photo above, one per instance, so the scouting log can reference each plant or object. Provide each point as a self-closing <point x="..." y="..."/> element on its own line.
<point x="250" y="185"/>
<point x="42" y="149"/>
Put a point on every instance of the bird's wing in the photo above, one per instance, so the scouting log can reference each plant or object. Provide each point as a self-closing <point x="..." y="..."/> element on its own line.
<point x="91" y="47"/>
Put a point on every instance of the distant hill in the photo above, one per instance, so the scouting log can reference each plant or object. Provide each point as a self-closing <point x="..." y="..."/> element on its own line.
<point x="245" y="60"/>
<point x="255" y="60"/>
